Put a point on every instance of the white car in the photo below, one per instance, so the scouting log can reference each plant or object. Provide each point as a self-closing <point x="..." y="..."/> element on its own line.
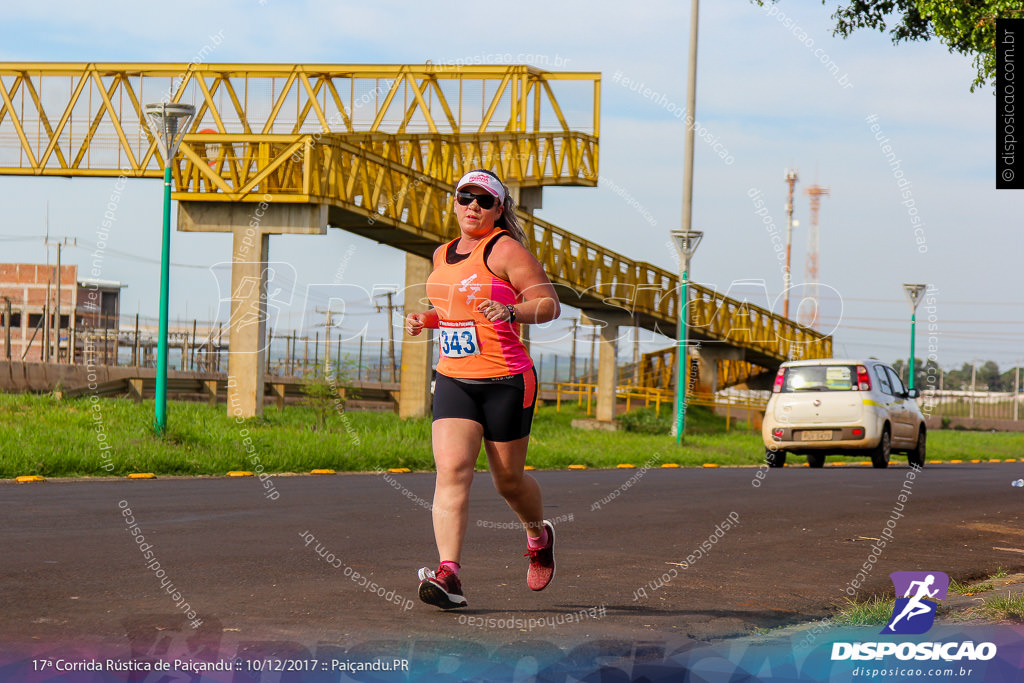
<point x="831" y="406"/>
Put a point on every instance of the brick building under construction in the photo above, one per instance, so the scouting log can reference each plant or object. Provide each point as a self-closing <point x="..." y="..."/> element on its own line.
<point x="46" y="313"/>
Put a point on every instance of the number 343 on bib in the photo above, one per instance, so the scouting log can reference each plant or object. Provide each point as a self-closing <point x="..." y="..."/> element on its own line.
<point x="458" y="338"/>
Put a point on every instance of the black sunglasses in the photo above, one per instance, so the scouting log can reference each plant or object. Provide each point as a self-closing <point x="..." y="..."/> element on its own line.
<point x="486" y="201"/>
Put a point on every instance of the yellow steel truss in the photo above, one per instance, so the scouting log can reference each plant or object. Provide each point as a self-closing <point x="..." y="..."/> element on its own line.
<point x="86" y="119"/>
<point x="235" y="165"/>
<point x="657" y="369"/>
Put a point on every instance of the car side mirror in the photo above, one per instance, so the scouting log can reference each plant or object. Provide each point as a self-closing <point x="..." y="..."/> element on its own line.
<point x="913" y="393"/>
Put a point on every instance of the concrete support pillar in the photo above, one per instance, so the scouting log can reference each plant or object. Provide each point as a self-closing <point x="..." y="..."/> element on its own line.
<point x="708" y="357"/>
<point x="417" y="352"/>
<point x="251" y="225"/>
<point x="607" y="359"/>
<point x="247" y="355"/>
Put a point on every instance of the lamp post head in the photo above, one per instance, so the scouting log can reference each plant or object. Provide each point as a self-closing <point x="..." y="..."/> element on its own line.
<point x="168" y="121"/>
<point x="914" y="294"/>
<point x="686" y="242"/>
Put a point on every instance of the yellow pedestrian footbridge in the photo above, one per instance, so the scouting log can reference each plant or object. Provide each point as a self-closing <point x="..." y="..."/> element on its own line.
<point x="373" y="149"/>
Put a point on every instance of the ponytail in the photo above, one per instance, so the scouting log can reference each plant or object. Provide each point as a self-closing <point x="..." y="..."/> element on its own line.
<point x="509" y="221"/>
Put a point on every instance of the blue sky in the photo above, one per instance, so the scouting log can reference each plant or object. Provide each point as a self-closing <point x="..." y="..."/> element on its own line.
<point x="763" y="93"/>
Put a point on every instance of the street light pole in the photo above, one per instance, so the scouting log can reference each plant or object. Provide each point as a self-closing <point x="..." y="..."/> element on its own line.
<point x="914" y="294"/>
<point x="168" y="122"/>
<point x="691" y="119"/>
<point x="686" y="242"/>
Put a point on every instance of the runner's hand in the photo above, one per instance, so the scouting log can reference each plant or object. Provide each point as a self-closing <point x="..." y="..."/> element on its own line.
<point x="414" y="323"/>
<point x="493" y="311"/>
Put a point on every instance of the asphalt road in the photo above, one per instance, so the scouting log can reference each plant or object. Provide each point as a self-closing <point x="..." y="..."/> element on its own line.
<point x="72" y="572"/>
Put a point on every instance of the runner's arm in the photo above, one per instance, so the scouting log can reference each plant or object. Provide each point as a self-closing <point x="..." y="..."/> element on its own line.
<point x="517" y="265"/>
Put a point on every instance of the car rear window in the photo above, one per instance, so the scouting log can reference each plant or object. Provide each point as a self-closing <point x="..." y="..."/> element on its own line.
<point x="820" y="378"/>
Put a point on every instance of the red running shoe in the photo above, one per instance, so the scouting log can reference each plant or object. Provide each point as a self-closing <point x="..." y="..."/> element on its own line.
<point x="542" y="562"/>
<point x="441" y="588"/>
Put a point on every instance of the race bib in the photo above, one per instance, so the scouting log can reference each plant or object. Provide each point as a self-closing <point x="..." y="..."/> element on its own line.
<point x="458" y="338"/>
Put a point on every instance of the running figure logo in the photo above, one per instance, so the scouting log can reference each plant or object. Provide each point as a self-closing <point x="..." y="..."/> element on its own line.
<point x="468" y="286"/>
<point x="914" y="613"/>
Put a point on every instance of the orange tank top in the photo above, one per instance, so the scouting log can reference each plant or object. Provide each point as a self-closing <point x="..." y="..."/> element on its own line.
<point x="471" y="346"/>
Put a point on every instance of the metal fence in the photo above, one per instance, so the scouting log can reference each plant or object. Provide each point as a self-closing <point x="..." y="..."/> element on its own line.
<point x="734" y="405"/>
<point x="990" y="405"/>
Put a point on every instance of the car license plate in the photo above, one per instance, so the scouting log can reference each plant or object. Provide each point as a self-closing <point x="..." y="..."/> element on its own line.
<point x="816" y="435"/>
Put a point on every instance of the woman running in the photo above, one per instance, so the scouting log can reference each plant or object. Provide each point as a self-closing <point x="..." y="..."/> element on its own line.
<point x="485" y="283"/>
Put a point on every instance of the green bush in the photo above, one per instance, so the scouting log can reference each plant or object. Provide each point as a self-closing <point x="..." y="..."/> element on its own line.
<point x="328" y="393"/>
<point x="646" y="421"/>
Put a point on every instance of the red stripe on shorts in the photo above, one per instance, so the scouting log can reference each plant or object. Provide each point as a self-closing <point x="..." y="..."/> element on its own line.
<point x="529" y="388"/>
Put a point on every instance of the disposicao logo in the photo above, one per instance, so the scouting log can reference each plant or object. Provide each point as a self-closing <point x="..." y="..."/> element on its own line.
<point x="914" y="613"/>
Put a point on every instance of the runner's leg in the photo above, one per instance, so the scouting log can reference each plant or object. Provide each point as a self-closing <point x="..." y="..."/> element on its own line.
<point x="456" y="445"/>
<point x="521" y="491"/>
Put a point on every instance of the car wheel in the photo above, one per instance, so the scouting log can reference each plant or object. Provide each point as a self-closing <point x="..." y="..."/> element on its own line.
<point x="915" y="458"/>
<point x="883" y="451"/>
<point x="816" y="460"/>
<point x="775" y="458"/>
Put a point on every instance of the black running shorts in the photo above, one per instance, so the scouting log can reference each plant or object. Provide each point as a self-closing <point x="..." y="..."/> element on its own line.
<point x="504" y="405"/>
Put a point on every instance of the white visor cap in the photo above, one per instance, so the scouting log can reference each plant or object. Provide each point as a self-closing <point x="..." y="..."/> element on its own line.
<point x="486" y="181"/>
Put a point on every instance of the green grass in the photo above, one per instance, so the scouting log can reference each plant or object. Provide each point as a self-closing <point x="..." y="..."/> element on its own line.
<point x="42" y="435"/>
<point x="873" y="612"/>
<point x="1008" y="608"/>
<point x="969" y="588"/>
<point x="877" y="611"/>
<point x="962" y="445"/>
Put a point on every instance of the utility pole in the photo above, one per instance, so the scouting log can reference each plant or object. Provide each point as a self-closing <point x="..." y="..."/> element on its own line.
<point x="1017" y="381"/>
<point x="572" y="362"/>
<point x="57" y="350"/>
<point x="636" y="354"/>
<point x="6" y="327"/>
<point x="391" y="330"/>
<point x="791" y="178"/>
<point x="45" y="356"/>
<point x="73" y="242"/>
<point x="47" y="311"/>
<point x="593" y="342"/>
<point x="974" y="370"/>
<point x="328" y="324"/>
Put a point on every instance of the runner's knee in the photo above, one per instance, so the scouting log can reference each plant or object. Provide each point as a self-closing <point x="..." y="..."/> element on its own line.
<point x="455" y="474"/>
<point x="507" y="483"/>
